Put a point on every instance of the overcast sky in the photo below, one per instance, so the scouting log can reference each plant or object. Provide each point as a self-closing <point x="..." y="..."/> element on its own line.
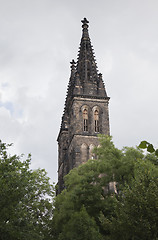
<point x="39" y="38"/>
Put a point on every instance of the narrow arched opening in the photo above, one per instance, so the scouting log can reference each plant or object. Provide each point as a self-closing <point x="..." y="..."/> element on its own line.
<point x="96" y="121"/>
<point x="85" y="120"/>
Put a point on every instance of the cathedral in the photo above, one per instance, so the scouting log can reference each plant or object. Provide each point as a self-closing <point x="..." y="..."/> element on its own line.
<point x="86" y="111"/>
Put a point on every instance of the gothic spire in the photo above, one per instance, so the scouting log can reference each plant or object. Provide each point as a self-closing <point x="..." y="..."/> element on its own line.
<point x="86" y="65"/>
<point x="84" y="82"/>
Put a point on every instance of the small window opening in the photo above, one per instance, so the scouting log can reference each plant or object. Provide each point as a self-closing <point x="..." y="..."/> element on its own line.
<point x="96" y="121"/>
<point x="85" y="120"/>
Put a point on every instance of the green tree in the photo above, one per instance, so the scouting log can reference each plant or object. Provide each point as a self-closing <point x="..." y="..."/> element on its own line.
<point x="88" y="188"/>
<point x="25" y="199"/>
<point x="80" y="226"/>
<point x="149" y="147"/>
<point x="137" y="206"/>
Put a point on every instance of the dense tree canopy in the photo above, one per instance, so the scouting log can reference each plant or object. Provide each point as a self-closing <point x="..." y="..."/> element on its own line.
<point x="25" y="199"/>
<point x="112" y="197"/>
<point x="137" y="208"/>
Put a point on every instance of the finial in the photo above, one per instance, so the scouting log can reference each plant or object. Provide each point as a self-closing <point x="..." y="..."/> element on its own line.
<point x="85" y="23"/>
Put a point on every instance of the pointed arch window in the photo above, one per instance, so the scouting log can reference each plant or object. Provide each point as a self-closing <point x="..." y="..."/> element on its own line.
<point x="84" y="153"/>
<point x="96" y="120"/>
<point x="91" y="153"/>
<point x="85" y="120"/>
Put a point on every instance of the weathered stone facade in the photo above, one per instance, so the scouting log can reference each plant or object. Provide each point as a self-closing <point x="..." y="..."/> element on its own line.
<point x="86" y="111"/>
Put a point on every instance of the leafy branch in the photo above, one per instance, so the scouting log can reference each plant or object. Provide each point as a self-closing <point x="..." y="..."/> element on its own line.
<point x="150" y="148"/>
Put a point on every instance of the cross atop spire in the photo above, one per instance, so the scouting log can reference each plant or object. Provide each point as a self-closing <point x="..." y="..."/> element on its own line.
<point x="85" y="22"/>
<point x="85" y="26"/>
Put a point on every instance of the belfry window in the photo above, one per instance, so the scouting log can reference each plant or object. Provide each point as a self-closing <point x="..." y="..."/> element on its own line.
<point x="85" y="120"/>
<point x="96" y="121"/>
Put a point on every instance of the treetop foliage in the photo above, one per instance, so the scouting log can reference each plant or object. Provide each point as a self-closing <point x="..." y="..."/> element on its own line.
<point x="117" y="193"/>
<point x="111" y="197"/>
<point x="25" y="198"/>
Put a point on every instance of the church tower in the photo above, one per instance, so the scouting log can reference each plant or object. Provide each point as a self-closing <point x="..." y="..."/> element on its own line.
<point x="86" y="110"/>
